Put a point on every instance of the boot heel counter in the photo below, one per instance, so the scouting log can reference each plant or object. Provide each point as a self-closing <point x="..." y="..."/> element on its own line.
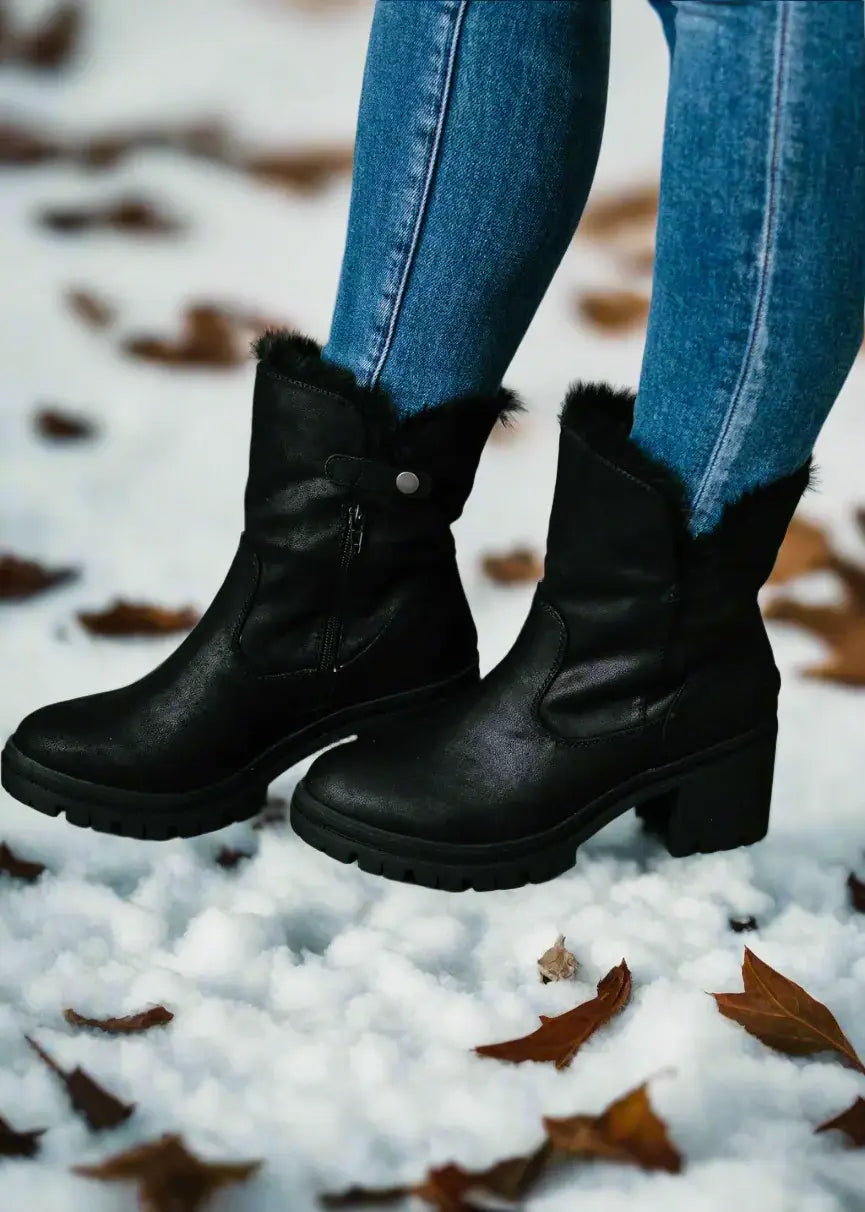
<point x="732" y="690"/>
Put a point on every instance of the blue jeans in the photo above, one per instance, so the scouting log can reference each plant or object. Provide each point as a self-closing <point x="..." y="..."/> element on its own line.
<point x="478" y="134"/>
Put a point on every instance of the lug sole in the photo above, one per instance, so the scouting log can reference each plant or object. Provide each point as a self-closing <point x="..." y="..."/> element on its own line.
<point x="717" y="799"/>
<point x="154" y="816"/>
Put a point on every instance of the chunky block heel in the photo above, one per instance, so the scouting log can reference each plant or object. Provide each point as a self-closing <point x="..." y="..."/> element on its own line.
<point x="719" y="806"/>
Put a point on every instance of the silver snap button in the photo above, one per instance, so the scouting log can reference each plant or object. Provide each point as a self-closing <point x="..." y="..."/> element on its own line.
<point x="407" y="483"/>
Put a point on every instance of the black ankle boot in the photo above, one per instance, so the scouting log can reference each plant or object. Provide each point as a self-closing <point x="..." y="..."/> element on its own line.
<point x="642" y="677"/>
<point x="343" y="607"/>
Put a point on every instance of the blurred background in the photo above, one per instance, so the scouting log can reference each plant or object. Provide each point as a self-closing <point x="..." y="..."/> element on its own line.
<point x="175" y="176"/>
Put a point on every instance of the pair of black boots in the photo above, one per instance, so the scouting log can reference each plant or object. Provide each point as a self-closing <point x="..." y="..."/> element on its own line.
<point x="643" y="676"/>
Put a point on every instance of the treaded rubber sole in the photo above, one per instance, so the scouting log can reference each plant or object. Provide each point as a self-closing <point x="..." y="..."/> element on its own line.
<point x="154" y="816"/>
<point x="717" y="799"/>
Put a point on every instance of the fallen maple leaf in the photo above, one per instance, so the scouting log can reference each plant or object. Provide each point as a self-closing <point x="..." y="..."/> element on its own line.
<point x="517" y="567"/>
<point x="22" y="146"/>
<point x="629" y="1131"/>
<point x="16" y="868"/>
<point x="18" y="1144"/>
<point x="453" y="1189"/>
<point x="130" y="1024"/>
<point x="133" y="216"/>
<point x="857" y="893"/>
<point x="169" y="1177"/>
<point x="137" y="619"/>
<point x="95" y="1105"/>
<point x="806" y="548"/>
<point x="558" y="1039"/>
<point x="60" y="426"/>
<point x="613" y="310"/>
<point x="841" y="627"/>
<point x="21" y="579"/>
<point x="95" y="311"/>
<point x="781" y="1014"/>
<point x="851" y="1122"/>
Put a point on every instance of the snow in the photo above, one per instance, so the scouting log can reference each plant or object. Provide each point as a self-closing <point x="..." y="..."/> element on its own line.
<point x="325" y="1019"/>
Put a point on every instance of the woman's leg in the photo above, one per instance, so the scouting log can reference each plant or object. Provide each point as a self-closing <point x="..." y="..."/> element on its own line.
<point x="758" y="292"/>
<point x="478" y="134"/>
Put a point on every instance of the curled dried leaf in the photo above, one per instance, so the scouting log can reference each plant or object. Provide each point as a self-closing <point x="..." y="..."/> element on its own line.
<point x="521" y="566"/>
<point x="557" y="963"/>
<point x="453" y="1189"/>
<point x="851" y="1122"/>
<point x="211" y="337"/>
<point x="93" y="1102"/>
<point x="20" y="579"/>
<point x="22" y="146"/>
<point x="229" y="859"/>
<point x="741" y="925"/>
<point x="60" y="426"/>
<point x="169" y="1177"/>
<point x="629" y="1130"/>
<point x="137" y="619"/>
<point x="51" y="45"/>
<point x="559" y="1039"/>
<point x="19" y="1144"/>
<point x="16" y="868"/>
<point x="781" y="1014"/>
<point x="613" y="311"/>
<point x="130" y="1024"/>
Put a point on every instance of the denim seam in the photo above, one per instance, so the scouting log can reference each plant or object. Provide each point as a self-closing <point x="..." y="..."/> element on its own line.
<point x="426" y="192"/>
<point x="711" y="474"/>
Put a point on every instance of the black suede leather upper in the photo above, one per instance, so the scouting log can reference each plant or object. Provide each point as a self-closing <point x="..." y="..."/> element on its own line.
<point x="317" y="614"/>
<point x="643" y="646"/>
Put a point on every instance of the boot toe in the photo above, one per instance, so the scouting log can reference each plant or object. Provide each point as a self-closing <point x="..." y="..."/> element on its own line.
<point x="52" y="736"/>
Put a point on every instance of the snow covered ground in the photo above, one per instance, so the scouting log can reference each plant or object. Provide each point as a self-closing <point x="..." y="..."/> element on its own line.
<point x="324" y="1018"/>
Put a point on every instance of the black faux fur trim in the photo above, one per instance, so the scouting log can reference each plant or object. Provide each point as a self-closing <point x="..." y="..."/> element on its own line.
<point x="602" y="416"/>
<point x="299" y="358"/>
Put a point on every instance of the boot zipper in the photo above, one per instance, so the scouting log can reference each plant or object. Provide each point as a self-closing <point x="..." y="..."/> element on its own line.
<point x="352" y="541"/>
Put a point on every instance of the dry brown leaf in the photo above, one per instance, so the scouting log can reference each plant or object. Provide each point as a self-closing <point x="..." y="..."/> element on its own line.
<point x="557" y="963"/>
<point x="168" y="1176"/>
<point x="92" y="1102"/>
<point x="781" y="1014"/>
<point x="851" y="1122"/>
<point x="17" y="868"/>
<point x="275" y="813"/>
<point x="19" y="1144"/>
<point x="130" y="1024"/>
<point x="521" y="566"/>
<point x="304" y="170"/>
<point x="48" y="46"/>
<point x="23" y="146"/>
<point x="132" y="216"/>
<point x="806" y="548"/>
<point x="212" y="336"/>
<point x="842" y="628"/>
<point x="629" y="1131"/>
<point x="137" y="619"/>
<point x="741" y="925"/>
<point x="558" y="1039"/>
<point x="857" y="892"/>
<point x="613" y="311"/>
<point x="94" y="310"/>
<point x="453" y="1189"/>
<point x="611" y="216"/>
<point x="229" y="859"/>
<point x="60" y="426"/>
<point x="20" y="579"/>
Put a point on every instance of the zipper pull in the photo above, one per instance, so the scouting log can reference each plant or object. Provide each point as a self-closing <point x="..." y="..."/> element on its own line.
<point x="355" y="529"/>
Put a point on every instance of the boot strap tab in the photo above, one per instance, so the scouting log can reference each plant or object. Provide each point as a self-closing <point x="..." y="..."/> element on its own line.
<point x="379" y="478"/>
